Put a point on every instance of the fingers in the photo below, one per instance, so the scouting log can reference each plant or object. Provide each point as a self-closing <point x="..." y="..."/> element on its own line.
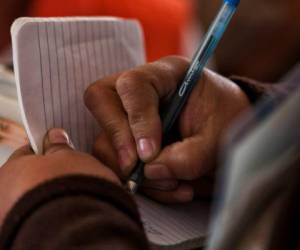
<point x="186" y="160"/>
<point x="140" y="91"/>
<point x="105" y="105"/>
<point x="173" y="191"/>
<point x="141" y="103"/>
<point x="162" y="185"/>
<point x="183" y="193"/>
<point x="56" y="140"/>
<point x="127" y="106"/>
<point x="104" y="151"/>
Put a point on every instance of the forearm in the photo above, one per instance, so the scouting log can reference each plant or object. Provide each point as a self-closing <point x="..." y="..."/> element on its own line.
<point x="72" y="212"/>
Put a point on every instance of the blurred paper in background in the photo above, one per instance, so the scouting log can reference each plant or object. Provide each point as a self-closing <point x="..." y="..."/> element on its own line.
<point x="8" y="106"/>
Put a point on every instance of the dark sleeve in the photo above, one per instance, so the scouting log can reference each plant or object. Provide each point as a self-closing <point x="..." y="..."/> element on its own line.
<point x="74" y="212"/>
<point x="253" y="89"/>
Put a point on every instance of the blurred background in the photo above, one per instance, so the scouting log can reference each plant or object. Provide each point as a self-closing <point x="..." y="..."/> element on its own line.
<point x="263" y="41"/>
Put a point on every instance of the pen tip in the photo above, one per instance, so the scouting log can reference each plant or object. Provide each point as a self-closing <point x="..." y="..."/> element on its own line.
<point x="132" y="187"/>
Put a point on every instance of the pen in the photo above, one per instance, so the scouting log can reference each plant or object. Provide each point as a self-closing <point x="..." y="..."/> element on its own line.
<point x="193" y="74"/>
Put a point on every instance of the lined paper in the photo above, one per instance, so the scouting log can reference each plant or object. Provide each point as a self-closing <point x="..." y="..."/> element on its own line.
<point x="55" y="59"/>
<point x="174" y="226"/>
<point x="64" y="56"/>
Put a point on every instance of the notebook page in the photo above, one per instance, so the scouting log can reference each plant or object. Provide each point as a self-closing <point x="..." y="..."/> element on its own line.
<point x="56" y="59"/>
<point x="174" y="226"/>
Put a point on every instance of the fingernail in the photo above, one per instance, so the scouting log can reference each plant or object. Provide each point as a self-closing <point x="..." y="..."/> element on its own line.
<point x="157" y="172"/>
<point x="124" y="158"/>
<point x="57" y="136"/>
<point x="145" y="148"/>
<point x="185" y="194"/>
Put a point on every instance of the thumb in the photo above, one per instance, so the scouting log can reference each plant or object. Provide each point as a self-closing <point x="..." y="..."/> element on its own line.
<point x="186" y="160"/>
<point x="55" y="140"/>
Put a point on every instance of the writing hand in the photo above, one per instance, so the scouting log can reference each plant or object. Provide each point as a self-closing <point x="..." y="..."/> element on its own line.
<point x="127" y="107"/>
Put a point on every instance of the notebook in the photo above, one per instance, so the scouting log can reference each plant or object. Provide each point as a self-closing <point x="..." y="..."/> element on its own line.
<point x="55" y="59"/>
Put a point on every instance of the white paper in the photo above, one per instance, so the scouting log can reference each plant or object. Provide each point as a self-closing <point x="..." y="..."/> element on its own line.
<point x="56" y="59"/>
<point x="183" y="226"/>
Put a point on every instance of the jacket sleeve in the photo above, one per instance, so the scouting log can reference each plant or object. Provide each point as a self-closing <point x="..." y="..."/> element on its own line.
<point x="74" y="212"/>
<point x="255" y="90"/>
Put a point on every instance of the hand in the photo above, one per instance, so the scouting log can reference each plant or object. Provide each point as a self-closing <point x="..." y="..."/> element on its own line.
<point x="127" y="108"/>
<point x="23" y="171"/>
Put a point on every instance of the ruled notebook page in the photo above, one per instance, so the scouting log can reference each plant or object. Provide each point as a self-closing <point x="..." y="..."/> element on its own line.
<point x="174" y="227"/>
<point x="55" y="59"/>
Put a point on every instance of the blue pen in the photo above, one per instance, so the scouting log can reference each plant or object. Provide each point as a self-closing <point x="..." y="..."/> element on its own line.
<point x="193" y="74"/>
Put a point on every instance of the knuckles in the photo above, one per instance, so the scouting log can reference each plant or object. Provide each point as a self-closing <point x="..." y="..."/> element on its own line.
<point x="137" y="94"/>
<point x="137" y="119"/>
<point x="113" y="128"/>
<point x="133" y="82"/>
<point x="92" y="95"/>
<point x="96" y="95"/>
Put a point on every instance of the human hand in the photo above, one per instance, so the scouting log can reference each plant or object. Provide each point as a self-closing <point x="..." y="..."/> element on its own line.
<point x="127" y="108"/>
<point x="23" y="171"/>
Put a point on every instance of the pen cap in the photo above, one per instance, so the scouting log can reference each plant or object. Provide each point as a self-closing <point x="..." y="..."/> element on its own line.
<point x="234" y="3"/>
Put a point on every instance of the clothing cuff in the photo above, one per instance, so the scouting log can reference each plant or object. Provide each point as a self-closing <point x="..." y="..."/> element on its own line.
<point x="254" y="90"/>
<point x="68" y="186"/>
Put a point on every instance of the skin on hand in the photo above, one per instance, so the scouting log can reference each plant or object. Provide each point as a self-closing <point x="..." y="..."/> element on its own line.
<point x="24" y="170"/>
<point x="126" y="107"/>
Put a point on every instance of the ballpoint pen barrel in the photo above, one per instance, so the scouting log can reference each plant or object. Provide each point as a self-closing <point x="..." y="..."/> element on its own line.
<point x="199" y="61"/>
